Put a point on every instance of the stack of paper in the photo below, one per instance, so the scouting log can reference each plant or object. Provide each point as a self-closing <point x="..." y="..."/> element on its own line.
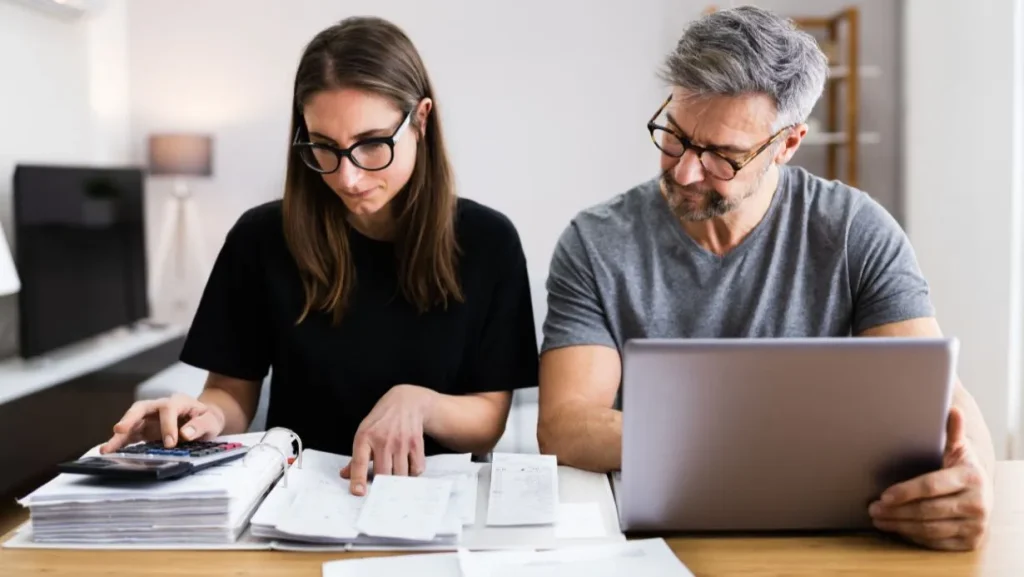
<point x="212" y="506"/>
<point x="314" y="504"/>
<point x="629" y="559"/>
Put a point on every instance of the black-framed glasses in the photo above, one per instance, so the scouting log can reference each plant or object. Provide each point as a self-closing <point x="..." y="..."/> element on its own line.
<point x="371" y="154"/>
<point x="721" y="167"/>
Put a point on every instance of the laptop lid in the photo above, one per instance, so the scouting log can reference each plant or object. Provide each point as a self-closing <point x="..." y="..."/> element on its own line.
<point x="770" y="434"/>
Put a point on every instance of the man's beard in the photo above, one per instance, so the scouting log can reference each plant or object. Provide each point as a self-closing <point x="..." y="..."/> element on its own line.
<point x="710" y="204"/>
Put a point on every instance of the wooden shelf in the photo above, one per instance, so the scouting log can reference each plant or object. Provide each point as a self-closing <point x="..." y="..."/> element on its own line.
<point x="839" y="35"/>
<point x="842" y="72"/>
<point x="839" y="138"/>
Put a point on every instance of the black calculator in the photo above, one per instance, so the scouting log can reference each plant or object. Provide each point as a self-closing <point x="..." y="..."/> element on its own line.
<point x="152" y="461"/>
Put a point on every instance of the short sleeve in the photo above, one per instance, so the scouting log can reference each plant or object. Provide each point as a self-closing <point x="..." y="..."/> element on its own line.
<point x="885" y="279"/>
<point x="575" y="315"/>
<point x="505" y="356"/>
<point x="229" y="334"/>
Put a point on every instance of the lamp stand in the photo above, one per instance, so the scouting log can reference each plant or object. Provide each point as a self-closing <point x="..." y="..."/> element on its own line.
<point x="180" y="233"/>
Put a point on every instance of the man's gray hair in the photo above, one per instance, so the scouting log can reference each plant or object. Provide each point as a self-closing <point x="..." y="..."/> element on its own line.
<point x="748" y="50"/>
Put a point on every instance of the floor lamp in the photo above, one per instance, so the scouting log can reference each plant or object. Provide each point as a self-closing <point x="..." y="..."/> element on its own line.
<point x="181" y="156"/>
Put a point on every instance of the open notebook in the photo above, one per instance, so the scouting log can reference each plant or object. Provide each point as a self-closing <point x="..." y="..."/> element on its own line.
<point x="309" y="508"/>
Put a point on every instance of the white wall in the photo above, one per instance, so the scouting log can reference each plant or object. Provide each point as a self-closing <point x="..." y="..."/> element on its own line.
<point x="962" y="201"/>
<point x="48" y="107"/>
<point x="531" y="95"/>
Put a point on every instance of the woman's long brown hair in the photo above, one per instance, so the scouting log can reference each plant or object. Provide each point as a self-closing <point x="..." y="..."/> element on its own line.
<point x="374" y="55"/>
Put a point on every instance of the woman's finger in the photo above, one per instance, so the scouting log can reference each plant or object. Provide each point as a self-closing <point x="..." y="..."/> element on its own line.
<point x="169" y="423"/>
<point x="417" y="458"/>
<point x="382" y="458"/>
<point x="359" y="466"/>
<point x="133" y="435"/>
<point x="134" y="415"/>
<point x="400" y="461"/>
<point x="203" y="426"/>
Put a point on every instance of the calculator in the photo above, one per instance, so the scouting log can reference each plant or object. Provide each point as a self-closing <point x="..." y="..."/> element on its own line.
<point x="152" y="461"/>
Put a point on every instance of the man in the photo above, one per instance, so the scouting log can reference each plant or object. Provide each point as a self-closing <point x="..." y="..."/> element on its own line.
<point x="731" y="242"/>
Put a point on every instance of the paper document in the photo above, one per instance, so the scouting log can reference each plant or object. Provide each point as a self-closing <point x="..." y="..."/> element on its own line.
<point x="523" y="491"/>
<point x="429" y="565"/>
<point x="463" y="473"/>
<point x="410" y="508"/>
<point x="632" y="558"/>
<point x="579" y="521"/>
<point x="323" y="514"/>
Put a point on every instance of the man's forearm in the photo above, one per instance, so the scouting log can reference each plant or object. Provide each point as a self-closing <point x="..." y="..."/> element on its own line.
<point x="467" y="423"/>
<point x="588" y="438"/>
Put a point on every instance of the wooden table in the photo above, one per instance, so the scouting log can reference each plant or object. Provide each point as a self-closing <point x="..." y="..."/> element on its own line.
<point x="804" y="556"/>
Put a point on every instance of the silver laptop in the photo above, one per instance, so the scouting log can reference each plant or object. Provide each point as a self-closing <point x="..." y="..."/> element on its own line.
<point x="776" y="434"/>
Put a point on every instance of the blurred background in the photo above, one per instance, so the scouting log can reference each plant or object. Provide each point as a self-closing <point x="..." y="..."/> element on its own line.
<point x="171" y="118"/>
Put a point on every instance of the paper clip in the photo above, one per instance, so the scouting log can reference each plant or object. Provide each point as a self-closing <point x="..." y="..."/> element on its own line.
<point x="286" y="461"/>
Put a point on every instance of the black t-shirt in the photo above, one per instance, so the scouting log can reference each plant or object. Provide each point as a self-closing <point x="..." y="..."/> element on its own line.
<point x="326" y="379"/>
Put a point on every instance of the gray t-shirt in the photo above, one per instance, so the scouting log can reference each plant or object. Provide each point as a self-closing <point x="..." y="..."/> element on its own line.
<point x="826" y="260"/>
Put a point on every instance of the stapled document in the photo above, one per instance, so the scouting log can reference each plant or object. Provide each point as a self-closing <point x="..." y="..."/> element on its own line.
<point x="523" y="490"/>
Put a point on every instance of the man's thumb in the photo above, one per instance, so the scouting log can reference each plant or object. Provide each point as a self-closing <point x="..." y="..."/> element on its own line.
<point x="955" y="433"/>
<point x="205" y="425"/>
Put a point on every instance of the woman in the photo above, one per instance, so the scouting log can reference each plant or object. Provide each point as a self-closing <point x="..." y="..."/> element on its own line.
<point x="396" y="317"/>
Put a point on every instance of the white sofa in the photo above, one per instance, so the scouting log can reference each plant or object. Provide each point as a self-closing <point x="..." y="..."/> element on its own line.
<point x="520" y="431"/>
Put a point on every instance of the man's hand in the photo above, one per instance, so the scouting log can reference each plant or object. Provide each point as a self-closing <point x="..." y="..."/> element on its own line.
<point x="391" y="436"/>
<point x="947" y="509"/>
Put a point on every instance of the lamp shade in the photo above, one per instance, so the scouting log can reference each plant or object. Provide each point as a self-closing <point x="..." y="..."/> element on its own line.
<point x="9" y="281"/>
<point x="181" y="154"/>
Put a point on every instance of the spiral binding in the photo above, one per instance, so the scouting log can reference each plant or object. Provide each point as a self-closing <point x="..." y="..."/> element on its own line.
<point x="285" y="464"/>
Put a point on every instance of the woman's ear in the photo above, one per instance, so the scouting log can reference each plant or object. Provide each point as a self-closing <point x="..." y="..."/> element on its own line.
<point x="423" y="114"/>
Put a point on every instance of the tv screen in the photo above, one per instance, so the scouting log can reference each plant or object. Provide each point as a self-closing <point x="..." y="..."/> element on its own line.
<point x="80" y="251"/>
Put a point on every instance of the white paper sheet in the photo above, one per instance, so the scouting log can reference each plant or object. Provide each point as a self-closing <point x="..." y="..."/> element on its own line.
<point x="463" y="474"/>
<point x="323" y="514"/>
<point x="633" y="558"/>
<point x="430" y="565"/>
<point x="579" y="521"/>
<point x="523" y="490"/>
<point x="411" y="508"/>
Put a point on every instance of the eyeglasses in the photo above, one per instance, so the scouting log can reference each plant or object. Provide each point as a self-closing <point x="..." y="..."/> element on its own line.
<point x="675" y="145"/>
<point x="372" y="154"/>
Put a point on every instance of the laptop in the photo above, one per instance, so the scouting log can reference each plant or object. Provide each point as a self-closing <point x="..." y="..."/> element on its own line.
<point x="776" y="434"/>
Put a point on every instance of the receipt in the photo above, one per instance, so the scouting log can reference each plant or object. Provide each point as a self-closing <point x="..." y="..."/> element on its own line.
<point x="523" y="490"/>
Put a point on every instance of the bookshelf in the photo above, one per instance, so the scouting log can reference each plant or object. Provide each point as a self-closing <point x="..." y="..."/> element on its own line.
<point x="840" y="131"/>
<point x="841" y="134"/>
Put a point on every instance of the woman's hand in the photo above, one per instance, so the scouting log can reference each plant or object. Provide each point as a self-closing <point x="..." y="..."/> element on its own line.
<point x="166" y="419"/>
<point x="392" y="436"/>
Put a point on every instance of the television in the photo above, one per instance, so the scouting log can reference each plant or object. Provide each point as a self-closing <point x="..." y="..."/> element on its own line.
<point x="80" y="251"/>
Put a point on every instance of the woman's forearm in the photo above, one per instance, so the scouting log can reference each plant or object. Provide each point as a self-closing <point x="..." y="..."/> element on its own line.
<point x="467" y="423"/>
